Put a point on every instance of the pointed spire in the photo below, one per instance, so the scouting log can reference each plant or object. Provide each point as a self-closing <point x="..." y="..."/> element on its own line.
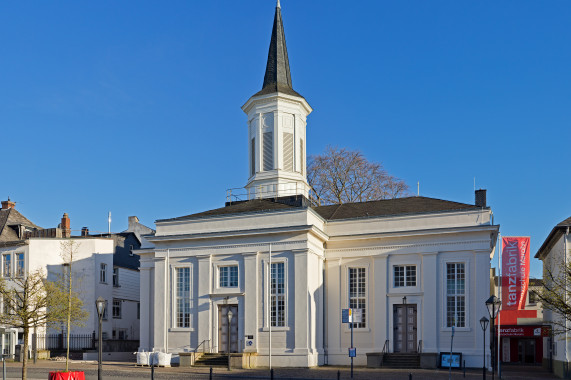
<point x="277" y="77"/>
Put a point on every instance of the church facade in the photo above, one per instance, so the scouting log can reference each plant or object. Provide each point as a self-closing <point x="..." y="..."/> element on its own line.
<point x="267" y="277"/>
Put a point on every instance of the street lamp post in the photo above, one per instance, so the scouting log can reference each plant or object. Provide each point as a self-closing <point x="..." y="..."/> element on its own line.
<point x="100" y="303"/>
<point x="493" y="304"/>
<point x="230" y="314"/>
<point x="484" y="323"/>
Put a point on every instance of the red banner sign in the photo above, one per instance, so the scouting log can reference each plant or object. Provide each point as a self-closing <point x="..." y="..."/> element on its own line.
<point x="515" y="272"/>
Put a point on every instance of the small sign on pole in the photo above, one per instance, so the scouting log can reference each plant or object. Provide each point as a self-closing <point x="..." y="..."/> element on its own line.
<point x="352" y="352"/>
<point x="346" y="315"/>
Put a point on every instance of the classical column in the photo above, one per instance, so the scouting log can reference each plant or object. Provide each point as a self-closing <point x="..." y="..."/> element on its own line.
<point x="300" y="301"/>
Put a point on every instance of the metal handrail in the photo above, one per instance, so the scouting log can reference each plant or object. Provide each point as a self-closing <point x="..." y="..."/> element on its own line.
<point x="386" y="347"/>
<point x="201" y="343"/>
<point x="284" y="188"/>
<point x="419" y="348"/>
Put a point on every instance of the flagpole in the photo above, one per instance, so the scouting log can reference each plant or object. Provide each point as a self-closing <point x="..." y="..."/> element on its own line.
<point x="500" y="297"/>
<point x="270" y="306"/>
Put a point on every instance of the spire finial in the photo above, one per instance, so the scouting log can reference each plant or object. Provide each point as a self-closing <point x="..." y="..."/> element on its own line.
<point x="278" y="4"/>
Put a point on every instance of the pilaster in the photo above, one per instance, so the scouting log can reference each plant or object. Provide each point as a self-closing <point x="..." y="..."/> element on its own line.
<point x="252" y="295"/>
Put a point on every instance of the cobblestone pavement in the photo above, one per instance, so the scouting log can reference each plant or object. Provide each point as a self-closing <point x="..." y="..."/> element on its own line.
<point x="118" y="370"/>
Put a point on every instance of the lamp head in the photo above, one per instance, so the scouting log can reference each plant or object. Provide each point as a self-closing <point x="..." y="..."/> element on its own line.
<point x="484" y="323"/>
<point x="100" y="303"/>
<point x="230" y="315"/>
<point x="493" y="304"/>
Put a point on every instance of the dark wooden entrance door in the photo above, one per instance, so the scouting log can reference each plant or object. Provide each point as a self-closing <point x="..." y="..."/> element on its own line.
<point x="404" y="335"/>
<point x="526" y="351"/>
<point x="225" y="342"/>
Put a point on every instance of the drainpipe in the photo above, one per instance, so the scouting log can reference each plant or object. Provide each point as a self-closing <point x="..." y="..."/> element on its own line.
<point x="565" y="237"/>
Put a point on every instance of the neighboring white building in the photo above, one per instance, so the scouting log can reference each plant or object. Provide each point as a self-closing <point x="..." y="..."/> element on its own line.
<point x="103" y="266"/>
<point x="555" y="252"/>
<point x="414" y="266"/>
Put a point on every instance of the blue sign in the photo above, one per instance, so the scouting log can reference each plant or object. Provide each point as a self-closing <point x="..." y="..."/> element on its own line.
<point x="345" y="315"/>
<point x="353" y="352"/>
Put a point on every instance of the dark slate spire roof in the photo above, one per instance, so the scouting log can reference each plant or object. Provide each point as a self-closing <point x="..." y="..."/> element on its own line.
<point x="277" y="77"/>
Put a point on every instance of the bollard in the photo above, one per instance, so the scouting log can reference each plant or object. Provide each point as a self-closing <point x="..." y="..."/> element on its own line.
<point x="272" y="374"/>
<point x="210" y="376"/>
<point x="152" y="370"/>
<point x="338" y="375"/>
<point x="409" y="376"/>
<point x="464" y="368"/>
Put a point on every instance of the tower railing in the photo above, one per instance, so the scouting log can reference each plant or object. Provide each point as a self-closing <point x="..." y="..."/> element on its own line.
<point x="282" y="189"/>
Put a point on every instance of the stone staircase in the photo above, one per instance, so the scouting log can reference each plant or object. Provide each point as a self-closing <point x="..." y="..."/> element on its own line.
<point x="212" y="360"/>
<point x="401" y="360"/>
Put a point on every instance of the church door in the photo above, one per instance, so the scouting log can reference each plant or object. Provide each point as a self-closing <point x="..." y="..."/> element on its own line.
<point x="404" y="335"/>
<point x="226" y="342"/>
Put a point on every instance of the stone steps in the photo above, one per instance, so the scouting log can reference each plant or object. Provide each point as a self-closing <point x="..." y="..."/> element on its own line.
<point x="212" y="360"/>
<point x="398" y="360"/>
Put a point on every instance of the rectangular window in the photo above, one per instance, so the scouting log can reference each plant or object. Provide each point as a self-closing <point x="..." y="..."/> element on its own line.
<point x="116" y="308"/>
<point x="253" y="157"/>
<point x="531" y="297"/>
<point x="228" y="276"/>
<point x="268" y="151"/>
<point x="404" y="275"/>
<point x="301" y="156"/>
<point x="277" y="295"/>
<point x="116" y="277"/>
<point x="358" y="293"/>
<point x="19" y="265"/>
<point x="103" y="273"/>
<point x="7" y="265"/>
<point x="455" y="295"/>
<point x="6" y="307"/>
<point x="182" y="312"/>
<point x="288" y="151"/>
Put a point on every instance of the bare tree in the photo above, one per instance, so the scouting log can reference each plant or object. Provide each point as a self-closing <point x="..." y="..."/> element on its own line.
<point x="555" y="295"/>
<point x="340" y="176"/>
<point x="72" y="311"/>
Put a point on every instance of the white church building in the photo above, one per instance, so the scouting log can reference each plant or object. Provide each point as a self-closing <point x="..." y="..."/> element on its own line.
<point x="285" y="267"/>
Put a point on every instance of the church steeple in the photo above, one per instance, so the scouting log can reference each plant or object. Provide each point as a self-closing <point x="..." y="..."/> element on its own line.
<point x="277" y="77"/>
<point x="276" y="127"/>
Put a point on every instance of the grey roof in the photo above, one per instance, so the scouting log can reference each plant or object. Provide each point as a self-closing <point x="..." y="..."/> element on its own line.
<point x="278" y="76"/>
<point x="12" y="217"/>
<point x="385" y="207"/>
<point x="552" y="238"/>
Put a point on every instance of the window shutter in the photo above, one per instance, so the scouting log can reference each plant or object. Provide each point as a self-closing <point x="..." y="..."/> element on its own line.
<point x="268" y="150"/>
<point x="288" y="151"/>
<point x="253" y="157"/>
<point x="301" y="156"/>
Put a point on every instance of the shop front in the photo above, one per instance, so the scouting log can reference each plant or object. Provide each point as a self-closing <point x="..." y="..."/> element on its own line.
<point x="523" y="344"/>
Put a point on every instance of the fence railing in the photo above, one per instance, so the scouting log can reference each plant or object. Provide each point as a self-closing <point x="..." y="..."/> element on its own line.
<point x="59" y="341"/>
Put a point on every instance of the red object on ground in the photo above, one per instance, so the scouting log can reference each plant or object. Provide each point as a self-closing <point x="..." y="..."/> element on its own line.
<point x="72" y="375"/>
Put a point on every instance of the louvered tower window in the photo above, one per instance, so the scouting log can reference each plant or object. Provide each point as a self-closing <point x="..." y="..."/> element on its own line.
<point x="253" y="157"/>
<point x="268" y="150"/>
<point x="301" y="156"/>
<point x="288" y="151"/>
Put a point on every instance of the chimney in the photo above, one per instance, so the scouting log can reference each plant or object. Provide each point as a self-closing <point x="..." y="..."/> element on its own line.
<point x="133" y="220"/>
<point x="65" y="226"/>
<point x="84" y="231"/>
<point x="481" y="198"/>
<point x="8" y="204"/>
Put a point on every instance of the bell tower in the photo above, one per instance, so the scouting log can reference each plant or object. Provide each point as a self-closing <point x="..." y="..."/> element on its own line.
<point x="276" y="127"/>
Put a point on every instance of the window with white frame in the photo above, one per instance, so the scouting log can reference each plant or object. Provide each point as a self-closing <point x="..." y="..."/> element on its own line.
<point x="404" y="275"/>
<point x="277" y="295"/>
<point x="116" y="277"/>
<point x="116" y="308"/>
<point x="19" y="265"/>
<point x="455" y="295"/>
<point x="182" y="297"/>
<point x="228" y="276"/>
<point x="358" y="293"/>
<point x="6" y="265"/>
<point x="103" y="273"/>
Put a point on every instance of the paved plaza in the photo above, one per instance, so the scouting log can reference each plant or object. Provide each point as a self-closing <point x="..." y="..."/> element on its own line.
<point x="119" y="370"/>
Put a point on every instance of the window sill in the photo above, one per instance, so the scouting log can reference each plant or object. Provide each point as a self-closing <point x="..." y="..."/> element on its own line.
<point x="357" y="330"/>
<point x="275" y="328"/>
<point x="181" y="329"/>
<point x="456" y="329"/>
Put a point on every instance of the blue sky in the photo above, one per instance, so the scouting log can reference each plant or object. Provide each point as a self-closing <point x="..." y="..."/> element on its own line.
<point x="133" y="107"/>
